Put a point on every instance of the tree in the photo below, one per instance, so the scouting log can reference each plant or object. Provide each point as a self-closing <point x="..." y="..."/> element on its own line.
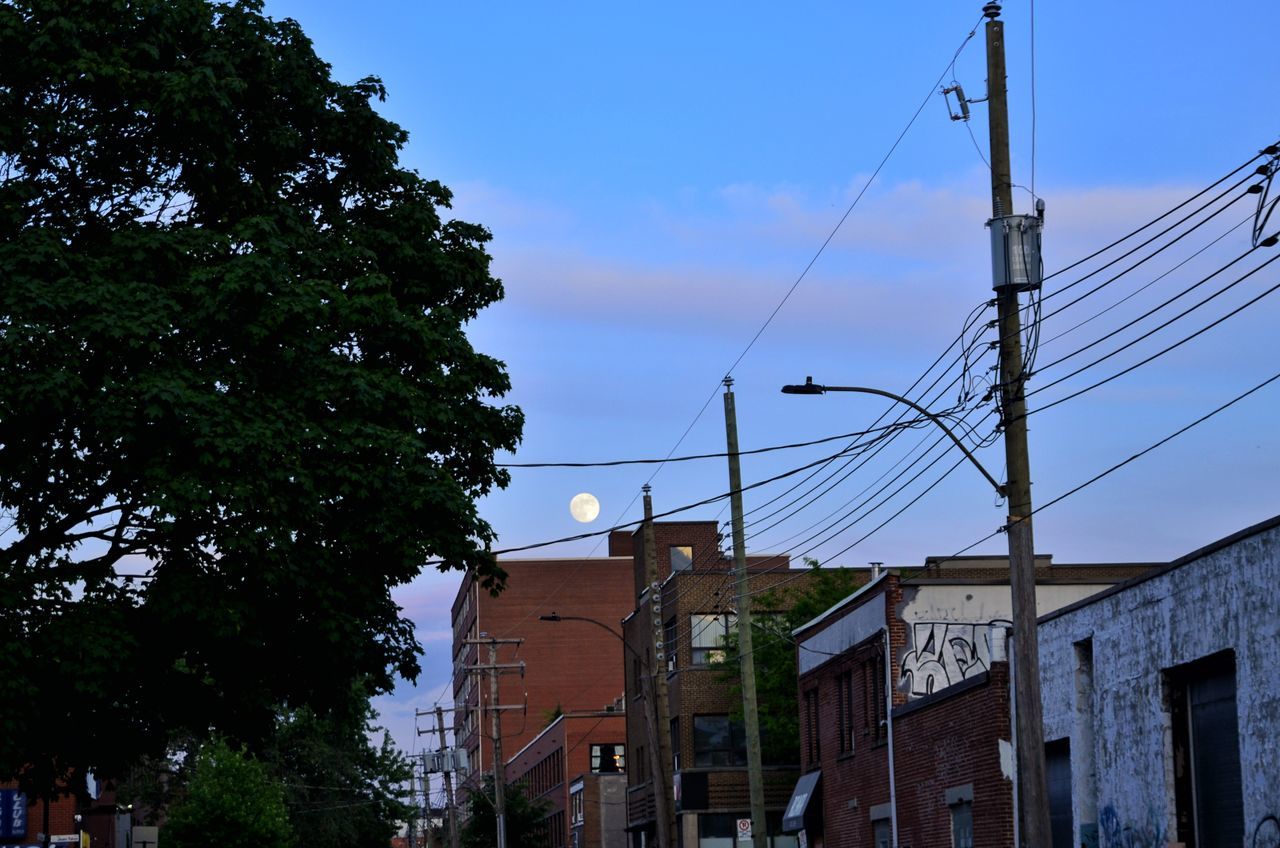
<point x="525" y="816"/>
<point x="340" y="788"/>
<point x="781" y="610"/>
<point x="237" y="401"/>
<point x="231" y="802"/>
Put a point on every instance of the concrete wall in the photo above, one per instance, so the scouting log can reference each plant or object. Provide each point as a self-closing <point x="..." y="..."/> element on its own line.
<point x="1104" y="674"/>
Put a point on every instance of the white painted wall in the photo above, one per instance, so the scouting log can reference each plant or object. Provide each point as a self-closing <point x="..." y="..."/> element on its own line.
<point x="1227" y="598"/>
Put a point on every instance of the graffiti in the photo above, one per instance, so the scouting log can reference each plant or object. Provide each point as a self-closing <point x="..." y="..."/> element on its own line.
<point x="1114" y="834"/>
<point x="941" y="654"/>
<point x="1267" y="833"/>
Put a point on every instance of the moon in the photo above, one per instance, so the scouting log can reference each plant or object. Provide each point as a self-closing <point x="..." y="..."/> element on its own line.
<point x="584" y="507"/>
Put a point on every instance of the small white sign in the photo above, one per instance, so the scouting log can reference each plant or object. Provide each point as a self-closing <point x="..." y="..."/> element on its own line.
<point x="744" y="830"/>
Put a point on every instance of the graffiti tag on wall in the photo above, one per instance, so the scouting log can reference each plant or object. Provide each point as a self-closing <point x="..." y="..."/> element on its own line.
<point x="1117" y="834"/>
<point x="942" y="653"/>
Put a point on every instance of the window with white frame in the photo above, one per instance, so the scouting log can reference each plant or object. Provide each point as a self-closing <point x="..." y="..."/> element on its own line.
<point x="707" y="632"/>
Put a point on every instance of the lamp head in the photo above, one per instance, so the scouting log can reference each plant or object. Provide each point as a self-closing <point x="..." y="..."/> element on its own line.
<point x="809" y="388"/>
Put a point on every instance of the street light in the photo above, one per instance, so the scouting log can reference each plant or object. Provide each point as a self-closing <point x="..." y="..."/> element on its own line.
<point x="1029" y="729"/>
<point x="554" y="616"/>
<point x="812" y="388"/>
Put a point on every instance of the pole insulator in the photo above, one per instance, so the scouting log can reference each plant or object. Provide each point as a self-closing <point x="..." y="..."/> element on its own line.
<point x="991" y="10"/>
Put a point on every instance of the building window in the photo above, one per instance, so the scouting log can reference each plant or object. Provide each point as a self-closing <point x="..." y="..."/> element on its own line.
<point x="608" y="758"/>
<point x="577" y="811"/>
<point x="718" y="741"/>
<point x="881" y="833"/>
<point x="681" y="557"/>
<point x="707" y="633"/>
<point x="675" y="744"/>
<point x="844" y="708"/>
<point x="962" y="825"/>
<point x="875" y="723"/>
<point x="812" y="750"/>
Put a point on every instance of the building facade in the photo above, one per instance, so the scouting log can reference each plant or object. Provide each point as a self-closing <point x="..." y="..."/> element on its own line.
<point x="697" y="608"/>
<point x="1162" y="703"/>
<point x="568" y="754"/>
<point x="568" y="666"/>
<point x="904" y="703"/>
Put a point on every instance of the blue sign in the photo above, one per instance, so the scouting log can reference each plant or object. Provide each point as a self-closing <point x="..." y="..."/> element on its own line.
<point x="13" y="814"/>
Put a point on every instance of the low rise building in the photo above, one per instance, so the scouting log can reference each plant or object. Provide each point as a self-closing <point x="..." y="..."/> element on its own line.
<point x="1162" y="703"/>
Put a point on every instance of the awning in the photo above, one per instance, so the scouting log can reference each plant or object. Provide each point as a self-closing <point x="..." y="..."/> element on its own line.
<point x="802" y="798"/>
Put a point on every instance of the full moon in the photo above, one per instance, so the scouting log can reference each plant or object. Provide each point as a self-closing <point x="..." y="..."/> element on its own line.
<point x="584" y="507"/>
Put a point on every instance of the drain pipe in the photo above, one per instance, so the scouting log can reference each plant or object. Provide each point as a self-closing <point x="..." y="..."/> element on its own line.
<point x="888" y="718"/>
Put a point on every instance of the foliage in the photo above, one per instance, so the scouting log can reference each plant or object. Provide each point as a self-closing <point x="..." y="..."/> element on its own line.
<point x="524" y="816"/>
<point x="232" y="361"/>
<point x="774" y="650"/>
<point x="340" y="788"/>
<point x="231" y="801"/>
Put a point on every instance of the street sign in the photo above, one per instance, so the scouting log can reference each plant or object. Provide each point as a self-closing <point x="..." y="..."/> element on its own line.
<point x="744" y="830"/>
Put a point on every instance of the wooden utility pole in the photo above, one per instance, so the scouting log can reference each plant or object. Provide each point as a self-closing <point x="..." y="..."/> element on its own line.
<point x="746" y="658"/>
<point x="450" y="815"/>
<point x="494" y="668"/>
<point x="660" y="710"/>
<point x="1033" y="791"/>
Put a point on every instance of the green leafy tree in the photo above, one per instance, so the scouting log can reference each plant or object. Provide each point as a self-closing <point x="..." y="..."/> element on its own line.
<point x="782" y="610"/>
<point x="525" y="818"/>
<point x="231" y="801"/>
<point x="340" y="787"/>
<point x="237" y="401"/>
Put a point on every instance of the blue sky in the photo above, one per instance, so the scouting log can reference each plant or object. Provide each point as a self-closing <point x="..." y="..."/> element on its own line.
<point x="657" y="177"/>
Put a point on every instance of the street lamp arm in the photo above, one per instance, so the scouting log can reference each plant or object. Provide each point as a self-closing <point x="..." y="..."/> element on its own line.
<point x="812" y="388"/>
<point x="557" y="617"/>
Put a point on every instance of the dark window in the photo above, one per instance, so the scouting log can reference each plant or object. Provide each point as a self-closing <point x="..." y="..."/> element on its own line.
<point x="608" y="758"/>
<point x="681" y="557"/>
<point x="717" y="741"/>
<point x="962" y="825"/>
<point x="1057" y="759"/>
<point x="844" y="707"/>
<point x="707" y="633"/>
<point x="881" y="833"/>
<point x="874" y="716"/>
<point x="812" y="750"/>
<point x="669" y="645"/>
<point x="1208" y="799"/>
<point x="675" y="744"/>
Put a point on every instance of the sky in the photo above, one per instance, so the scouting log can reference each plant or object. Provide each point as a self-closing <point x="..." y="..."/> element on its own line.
<point x="657" y="177"/>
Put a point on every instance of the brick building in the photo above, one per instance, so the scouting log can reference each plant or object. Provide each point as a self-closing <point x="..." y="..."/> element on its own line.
<point x="574" y="750"/>
<point x="567" y="666"/>
<point x="708" y="768"/>
<point x="904" y="705"/>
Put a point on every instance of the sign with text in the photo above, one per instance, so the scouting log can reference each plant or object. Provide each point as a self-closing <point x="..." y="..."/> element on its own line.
<point x="744" y="830"/>
<point x="13" y="814"/>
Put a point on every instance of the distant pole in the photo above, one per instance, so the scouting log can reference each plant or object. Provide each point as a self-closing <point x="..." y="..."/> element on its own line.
<point x="746" y="658"/>
<point x="499" y="768"/>
<point x="1033" y="786"/>
<point x="451" y="816"/>
<point x="663" y="796"/>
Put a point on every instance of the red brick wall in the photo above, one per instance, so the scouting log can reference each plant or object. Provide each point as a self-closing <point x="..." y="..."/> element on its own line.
<point x="940" y="742"/>
<point x="574" y="665"/>
<point x="62" y="821"/>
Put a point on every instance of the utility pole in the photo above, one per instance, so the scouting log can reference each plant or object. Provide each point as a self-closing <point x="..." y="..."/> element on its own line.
<point x="1010" y="279"/>
<point x="450" y="813"/>
<point x="451" y="816"/>
<point x="494" y="668"/>
<point x="746" y="658"/>
<point x="660" y="711"/>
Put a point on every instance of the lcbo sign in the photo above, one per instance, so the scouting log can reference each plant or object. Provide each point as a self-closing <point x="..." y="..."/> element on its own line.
<point x="744" y="830"/>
